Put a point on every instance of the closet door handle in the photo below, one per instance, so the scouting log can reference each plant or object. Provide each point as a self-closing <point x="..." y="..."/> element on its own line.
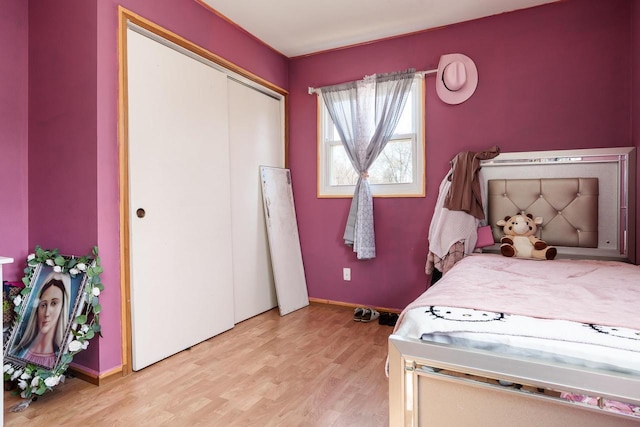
<point x="140" y="213"/>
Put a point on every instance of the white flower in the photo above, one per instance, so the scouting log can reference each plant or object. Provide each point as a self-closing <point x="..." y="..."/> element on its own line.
<point x="31" y="256"/>
<point x="84" y="329"/>
<point x="35" y="381"/>
<point x="74" y="271"/>
<point x="49" y="262"/>
<point x="81" y="266"/>
<point x="16" y="374"/>
<point x="85" y="345"/>
<point x="25" y="376"/>
<point x="75" y="345"/>
<point x="52" y="381"/>
<point x="17" y="300"/>
<point x="8" y="369"/>
<point x="95" y="292"/>
<point x="22" y="384"/>
<point x="23" y="394"/>
<point x="57" y="269"/>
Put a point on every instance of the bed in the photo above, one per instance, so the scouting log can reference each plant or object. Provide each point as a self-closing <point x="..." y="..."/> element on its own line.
<point x="506" y="341"/>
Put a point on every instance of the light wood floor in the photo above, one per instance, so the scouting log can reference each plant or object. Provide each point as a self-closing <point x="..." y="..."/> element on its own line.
<point x="312" y="367"/>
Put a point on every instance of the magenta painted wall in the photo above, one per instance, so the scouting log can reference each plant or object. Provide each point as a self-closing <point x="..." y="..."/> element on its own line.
<point x="14" y="136"/>
<point x="62" y="126"/>
<point x="62" y="135"/>
<point x="552" y="77"/>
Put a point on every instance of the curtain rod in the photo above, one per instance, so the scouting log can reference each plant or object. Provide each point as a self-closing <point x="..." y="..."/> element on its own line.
<point x="313" y="90"/>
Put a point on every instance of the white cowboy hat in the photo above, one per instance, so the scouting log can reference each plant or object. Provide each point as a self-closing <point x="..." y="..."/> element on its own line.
<point x="457" y="78"/>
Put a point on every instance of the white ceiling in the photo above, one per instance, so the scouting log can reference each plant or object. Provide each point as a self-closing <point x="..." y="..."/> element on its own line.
<point x="299" y="27"/>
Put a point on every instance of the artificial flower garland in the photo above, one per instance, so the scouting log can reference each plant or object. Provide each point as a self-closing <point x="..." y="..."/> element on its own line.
<point x="34" y="380"/>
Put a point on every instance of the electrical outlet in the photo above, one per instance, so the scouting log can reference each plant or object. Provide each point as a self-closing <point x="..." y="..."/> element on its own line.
<point x="346" y="274"/>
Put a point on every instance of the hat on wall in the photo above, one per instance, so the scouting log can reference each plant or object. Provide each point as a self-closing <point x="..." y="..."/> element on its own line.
<point x="457" y="78"/>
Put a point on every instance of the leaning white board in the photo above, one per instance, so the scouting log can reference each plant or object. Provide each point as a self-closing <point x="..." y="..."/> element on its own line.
<point x="284" y="241"/>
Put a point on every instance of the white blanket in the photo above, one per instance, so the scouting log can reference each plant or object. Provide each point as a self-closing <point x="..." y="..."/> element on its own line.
<point x="586" y="310"/>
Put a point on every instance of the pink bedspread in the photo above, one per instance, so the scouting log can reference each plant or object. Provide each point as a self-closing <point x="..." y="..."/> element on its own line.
<point x="602" y="292"/>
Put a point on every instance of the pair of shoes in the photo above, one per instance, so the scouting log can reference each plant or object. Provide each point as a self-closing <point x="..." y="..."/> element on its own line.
<point x="388" y="319"/>
<point x="369" y="315"/>
<point x="357" y="314"/>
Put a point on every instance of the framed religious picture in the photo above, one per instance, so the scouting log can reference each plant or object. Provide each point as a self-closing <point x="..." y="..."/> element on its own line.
<point x="57" y="313"/>
<point x="42" y="328"/>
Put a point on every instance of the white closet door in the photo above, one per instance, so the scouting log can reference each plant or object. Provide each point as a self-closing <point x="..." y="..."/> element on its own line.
<point x="181" y="267"/>
<point x="256" y="133"/>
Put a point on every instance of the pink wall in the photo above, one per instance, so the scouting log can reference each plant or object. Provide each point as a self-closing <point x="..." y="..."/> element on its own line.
<point x="13" y="136"/>
<point x="62" y="126"/>
<point x="551" y="77"/>
<point x="62" y="133"/>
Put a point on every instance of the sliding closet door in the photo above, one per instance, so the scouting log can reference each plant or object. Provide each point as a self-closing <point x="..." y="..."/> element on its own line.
<point x="256" y="133"/>
<point x="180" y="219"/>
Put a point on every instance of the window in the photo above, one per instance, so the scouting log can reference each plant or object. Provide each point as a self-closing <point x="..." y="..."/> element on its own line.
<point x="397" y="172"/>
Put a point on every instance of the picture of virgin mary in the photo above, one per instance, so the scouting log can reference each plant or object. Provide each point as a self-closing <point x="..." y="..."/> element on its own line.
<point x="45" y="321"/>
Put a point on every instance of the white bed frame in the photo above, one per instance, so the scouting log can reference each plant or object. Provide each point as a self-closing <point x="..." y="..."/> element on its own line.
<point x="433" y="384"/>
<point x="420" y="395"/>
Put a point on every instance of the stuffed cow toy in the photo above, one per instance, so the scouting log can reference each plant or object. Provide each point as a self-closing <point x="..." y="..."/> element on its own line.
<point x="519" y="238"/>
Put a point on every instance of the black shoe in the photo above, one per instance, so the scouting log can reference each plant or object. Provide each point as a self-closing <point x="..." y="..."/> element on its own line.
<point x="383" y="319"/>
<point x="393" y="318"/>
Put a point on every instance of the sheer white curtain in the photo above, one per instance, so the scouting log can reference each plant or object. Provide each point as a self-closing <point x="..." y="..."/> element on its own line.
<point x="366" y="113"/>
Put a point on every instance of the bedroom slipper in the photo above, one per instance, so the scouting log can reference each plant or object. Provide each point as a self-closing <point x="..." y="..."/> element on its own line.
<point x="358" y="313"/>
<point x="369" y="315"/>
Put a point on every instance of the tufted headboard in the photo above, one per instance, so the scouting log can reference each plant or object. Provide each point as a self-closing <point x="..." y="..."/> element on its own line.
<point x="568" y="207"/>
<point x="586" y="197"/>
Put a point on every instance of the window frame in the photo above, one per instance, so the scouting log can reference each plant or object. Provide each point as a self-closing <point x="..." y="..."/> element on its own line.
<point x="413" y="189"/>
